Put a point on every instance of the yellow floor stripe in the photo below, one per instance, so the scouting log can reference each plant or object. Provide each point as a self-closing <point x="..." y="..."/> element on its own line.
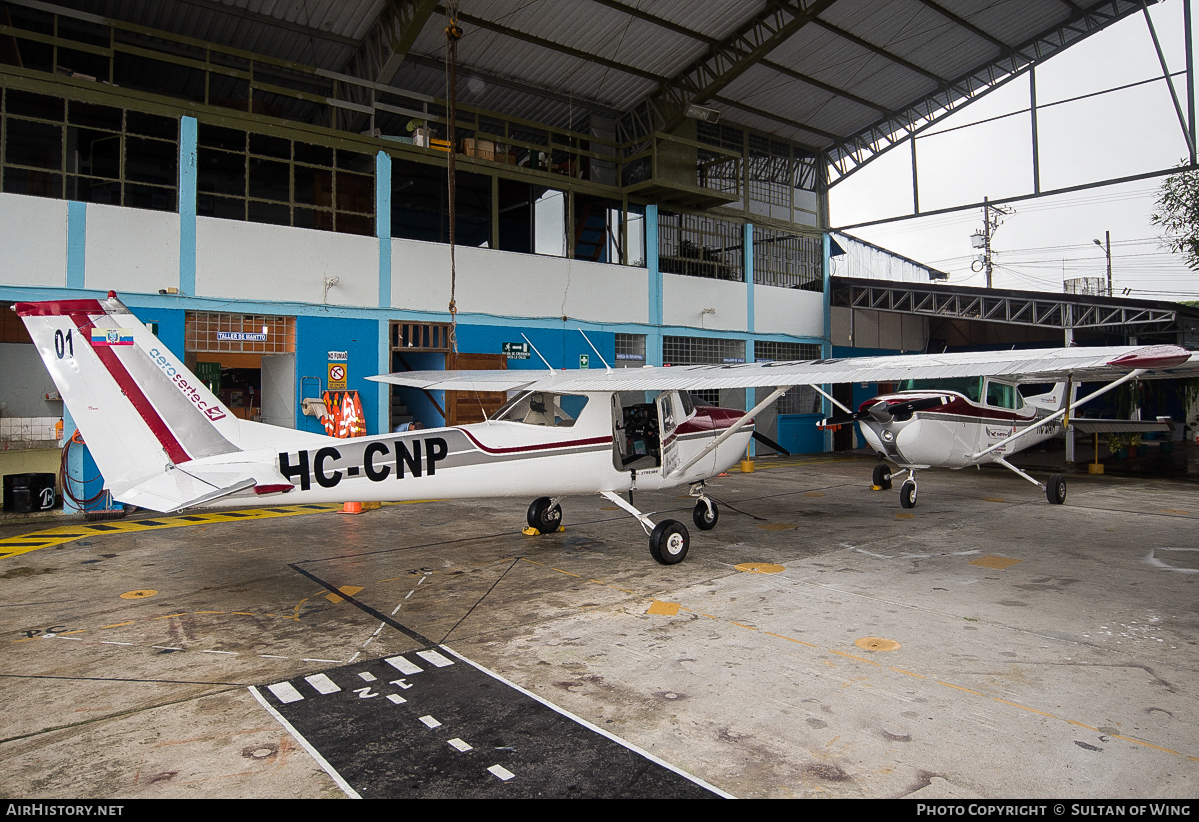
<point x="51" y="537"/>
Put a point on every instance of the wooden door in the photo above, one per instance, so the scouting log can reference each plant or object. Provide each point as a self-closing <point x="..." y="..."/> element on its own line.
<point x="463" y="407"/>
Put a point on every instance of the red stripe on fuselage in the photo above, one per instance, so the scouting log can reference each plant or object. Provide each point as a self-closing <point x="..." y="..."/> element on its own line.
<point x="960" y="406"/>
<point x="544" y="447"/>
<point x="133" y="391"/>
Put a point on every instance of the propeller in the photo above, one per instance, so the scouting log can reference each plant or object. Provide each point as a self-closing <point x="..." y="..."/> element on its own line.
<point x="885" y="412"/>
<point x="769" y="443"/>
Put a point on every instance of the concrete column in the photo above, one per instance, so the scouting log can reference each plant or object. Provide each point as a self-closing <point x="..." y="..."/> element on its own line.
<point x="653" y="339"/>
<point x="188" y="135"/>
<point x="383" y="233"/>
<point x="826" y="346"/>
<point x="747" y="248"/>
<point x="76" y="243"/>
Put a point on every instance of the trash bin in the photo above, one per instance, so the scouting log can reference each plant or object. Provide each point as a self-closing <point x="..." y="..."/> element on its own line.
<point x="26" y="493"/>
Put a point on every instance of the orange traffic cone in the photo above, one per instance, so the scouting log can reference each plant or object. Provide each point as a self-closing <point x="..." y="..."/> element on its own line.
<point x="352" y="508"/>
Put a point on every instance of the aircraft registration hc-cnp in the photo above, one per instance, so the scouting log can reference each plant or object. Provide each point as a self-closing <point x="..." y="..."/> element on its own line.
<point x="163" y="441"/>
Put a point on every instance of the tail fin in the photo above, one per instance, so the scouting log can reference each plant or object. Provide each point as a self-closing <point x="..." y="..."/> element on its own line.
<point x="1055" y="399"/>
<point x="140" y="410"/>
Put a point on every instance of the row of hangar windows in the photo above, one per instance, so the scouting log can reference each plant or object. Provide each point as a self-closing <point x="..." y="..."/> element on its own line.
<point x="83" y="151"/>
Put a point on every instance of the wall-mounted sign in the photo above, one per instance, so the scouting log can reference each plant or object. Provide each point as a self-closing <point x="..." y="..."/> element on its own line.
<point x="636" y="357"/>
<point x="241" y="336"/>
<point x="337" y="377"/>
<point x="584" y="361"/>
<point x="516" y="350"/>
<point x="339" y="356"/>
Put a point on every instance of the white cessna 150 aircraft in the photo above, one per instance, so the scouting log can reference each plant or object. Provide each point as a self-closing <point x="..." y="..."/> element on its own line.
<point x="162" y="441"/>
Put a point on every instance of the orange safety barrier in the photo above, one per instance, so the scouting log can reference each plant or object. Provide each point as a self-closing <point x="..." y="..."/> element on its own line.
<point x="344" y="420"/>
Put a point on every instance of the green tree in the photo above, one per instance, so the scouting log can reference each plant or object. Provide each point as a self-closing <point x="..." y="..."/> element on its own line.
<point x="1177" y="212"/>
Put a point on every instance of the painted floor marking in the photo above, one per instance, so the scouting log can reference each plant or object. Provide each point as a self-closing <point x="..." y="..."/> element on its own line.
<point x="417" y="745"/>
<point x="285" y="691"/>
<point x="434" y="658"/>
<point x="403" y="665"/>
<point x="52" y="537"/>
<point x="306" y="745"/>
<point x="655" y="607"/>
<point x="322" y="683"/>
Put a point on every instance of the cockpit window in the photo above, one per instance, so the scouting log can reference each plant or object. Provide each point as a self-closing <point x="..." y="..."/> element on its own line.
<point x="972" y="387"/>
<point x="1001" y="395"/>
<point x="543" y="408"/>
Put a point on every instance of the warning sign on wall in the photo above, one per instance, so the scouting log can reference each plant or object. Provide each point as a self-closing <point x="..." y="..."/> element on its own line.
<point x="337" y="376"/>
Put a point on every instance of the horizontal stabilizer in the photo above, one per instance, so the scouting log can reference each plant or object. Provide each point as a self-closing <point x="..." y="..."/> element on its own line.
<point x="179" y="488"/>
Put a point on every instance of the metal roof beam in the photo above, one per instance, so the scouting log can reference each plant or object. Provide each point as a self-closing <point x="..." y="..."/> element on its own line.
<point x="962" y="22"/>
<point x="728" y="60"/>
<point x="274" y="22"/>
<point x="850" y="154"/>
<point x="778" y="118"/>
<point x="386" y="44"/>
<point x="881" y="52"/>
<point x="699" y="36"/>
<point x="562" y="48"/>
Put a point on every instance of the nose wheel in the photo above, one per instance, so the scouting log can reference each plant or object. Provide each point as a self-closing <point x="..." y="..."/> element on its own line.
<point x="705" y="514"/>
<point x="907" y="494"/>
<point x="545" y="515"/>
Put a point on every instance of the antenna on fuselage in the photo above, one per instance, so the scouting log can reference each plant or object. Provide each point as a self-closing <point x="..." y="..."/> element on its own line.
<point x="538" y="353"/>
<point x="597" y="353"/>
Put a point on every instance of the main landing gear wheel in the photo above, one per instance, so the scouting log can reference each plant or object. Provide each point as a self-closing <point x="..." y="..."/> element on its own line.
<point x="882" y="476"/>
<point x="543" y="516"/>
<point x="705" y="520"/>
<point x="907" y="494"/>
<point x="669" y="542"/>
<point x="1055" y="489"/>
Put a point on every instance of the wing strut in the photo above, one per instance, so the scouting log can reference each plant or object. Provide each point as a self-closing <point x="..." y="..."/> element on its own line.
<point x="734" y="428"/>
<point x="1131" y="375"/>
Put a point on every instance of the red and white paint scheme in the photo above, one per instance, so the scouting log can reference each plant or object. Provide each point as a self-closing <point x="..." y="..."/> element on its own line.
<point x="163" y="441"/>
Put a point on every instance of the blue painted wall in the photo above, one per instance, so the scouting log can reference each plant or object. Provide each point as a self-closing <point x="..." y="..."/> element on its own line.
<point x="561" y="347"/>
<point x="171" y="326"/>
<point x="315" y="338"/>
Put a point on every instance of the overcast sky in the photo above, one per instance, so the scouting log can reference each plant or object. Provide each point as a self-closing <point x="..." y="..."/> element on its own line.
<point x="1109" y="134"/>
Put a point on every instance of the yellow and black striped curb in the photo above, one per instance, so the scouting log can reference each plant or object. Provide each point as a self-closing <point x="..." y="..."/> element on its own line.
<point x="51" y="537"/>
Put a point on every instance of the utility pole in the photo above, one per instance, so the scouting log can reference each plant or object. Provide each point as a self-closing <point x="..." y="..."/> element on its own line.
<point x="1107" y="246"/>
<point x="983" y="239"/>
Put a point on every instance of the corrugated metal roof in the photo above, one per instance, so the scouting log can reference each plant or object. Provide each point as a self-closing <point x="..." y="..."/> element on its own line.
<point x="622" y="48"/>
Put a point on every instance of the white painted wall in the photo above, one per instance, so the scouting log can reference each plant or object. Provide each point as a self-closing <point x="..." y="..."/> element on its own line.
<point x="131" y="249"/>
<point x="683" y="298"/>
<point x="252" y="261"/>
<point x="518" y="285"/>
<point x="33" y="241"/>
<point x="788" y="311"/>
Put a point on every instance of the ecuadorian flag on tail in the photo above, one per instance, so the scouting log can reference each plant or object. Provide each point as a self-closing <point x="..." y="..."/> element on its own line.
<point x="111" y="336"/>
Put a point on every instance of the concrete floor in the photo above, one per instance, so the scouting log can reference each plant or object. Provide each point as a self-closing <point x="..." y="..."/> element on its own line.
<point x="985" y="644"/>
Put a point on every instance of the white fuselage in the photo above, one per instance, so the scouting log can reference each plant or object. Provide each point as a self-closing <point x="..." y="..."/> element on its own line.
<point x="502" y="458"/>
<point x="952" y="435"/>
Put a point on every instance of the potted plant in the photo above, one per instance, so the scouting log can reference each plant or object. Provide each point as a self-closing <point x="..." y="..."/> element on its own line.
<point x="1117" y="443"/>
<point x="1136" y="447"/>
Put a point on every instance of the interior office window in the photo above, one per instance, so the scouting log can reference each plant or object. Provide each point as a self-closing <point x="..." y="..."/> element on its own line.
<point x="549" y="223"/>
<point x="515" y="216"/>
<point x="87" y="152"/>
<point x="420" y="205"/>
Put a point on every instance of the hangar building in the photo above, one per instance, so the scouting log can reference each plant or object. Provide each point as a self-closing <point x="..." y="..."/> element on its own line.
<point x="266" y="184"/>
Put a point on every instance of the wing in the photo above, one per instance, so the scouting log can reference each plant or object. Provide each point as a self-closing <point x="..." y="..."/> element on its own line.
<point x="1027" y="366"/>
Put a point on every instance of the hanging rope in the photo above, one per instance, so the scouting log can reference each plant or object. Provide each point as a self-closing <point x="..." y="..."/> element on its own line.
<point x="452" y="34"/>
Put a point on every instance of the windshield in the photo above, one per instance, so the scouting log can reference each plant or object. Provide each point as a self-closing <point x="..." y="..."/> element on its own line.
<point x="972" y="387"/>
<point x="543" y="408"/>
